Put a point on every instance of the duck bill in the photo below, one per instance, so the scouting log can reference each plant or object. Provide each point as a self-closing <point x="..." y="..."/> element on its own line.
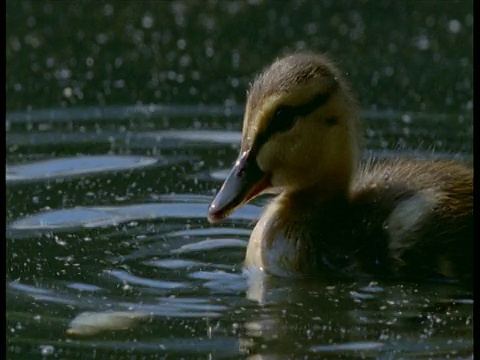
<point x="245" y="181"/>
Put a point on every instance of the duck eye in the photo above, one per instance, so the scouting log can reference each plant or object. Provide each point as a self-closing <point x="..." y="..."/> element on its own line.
<point x="282" y="120"/>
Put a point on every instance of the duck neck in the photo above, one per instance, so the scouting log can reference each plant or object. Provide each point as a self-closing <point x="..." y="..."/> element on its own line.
<point x="334" y="189"/>
<point x="315" y="201"/>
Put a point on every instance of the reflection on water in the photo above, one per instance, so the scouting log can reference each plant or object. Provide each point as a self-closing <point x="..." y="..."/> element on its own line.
<point x="90" y="323"/>
<point x="68" y="219"/>
<point x="76" y="166"/>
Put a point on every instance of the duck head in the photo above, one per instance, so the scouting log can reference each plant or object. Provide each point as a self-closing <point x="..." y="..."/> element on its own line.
<point x="300" y="132"/>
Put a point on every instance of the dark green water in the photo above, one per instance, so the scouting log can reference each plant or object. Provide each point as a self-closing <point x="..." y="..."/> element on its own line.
<point x="122" y="120"/>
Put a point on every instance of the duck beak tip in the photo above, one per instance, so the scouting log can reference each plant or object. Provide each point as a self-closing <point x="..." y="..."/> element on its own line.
<point x="213" y="216"/>
<point x="244" y="182"/>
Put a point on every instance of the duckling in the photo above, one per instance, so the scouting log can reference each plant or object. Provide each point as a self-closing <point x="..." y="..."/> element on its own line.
<point x="301" y="140"/>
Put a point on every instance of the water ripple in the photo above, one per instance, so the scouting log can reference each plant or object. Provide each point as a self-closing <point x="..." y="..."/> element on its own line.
<point x="103" y="216"/>
<point x="75" y="166"/>
<point x="210" y="245"/>
<point x="125" y="277"/>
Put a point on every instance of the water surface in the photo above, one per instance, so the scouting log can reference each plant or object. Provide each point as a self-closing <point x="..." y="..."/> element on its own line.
<point x="120" y="131"/>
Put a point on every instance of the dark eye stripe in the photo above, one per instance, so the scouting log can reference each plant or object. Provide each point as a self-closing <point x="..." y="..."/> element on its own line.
<point x="285" y="116"/>
<point x="282" y="120"/>
<point x="314" y="104"/>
